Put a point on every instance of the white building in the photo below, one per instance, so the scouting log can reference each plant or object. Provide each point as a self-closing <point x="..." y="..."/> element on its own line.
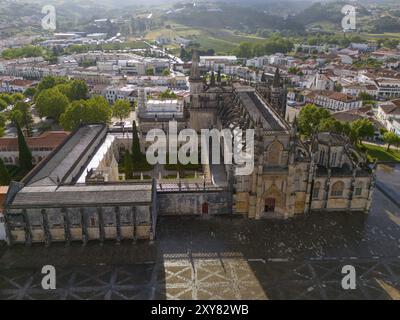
<point x="356" y="89"/>
<point x="335" y="101"/>
<point x="16" y="85"/>
<point x="388" y="87"/>
<point x="321" y="82"/>
<point x="217" y="62"/>
<point x="388" y="114"/>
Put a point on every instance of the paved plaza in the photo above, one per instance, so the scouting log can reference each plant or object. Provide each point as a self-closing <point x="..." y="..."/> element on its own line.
<point x="224" y="258"/>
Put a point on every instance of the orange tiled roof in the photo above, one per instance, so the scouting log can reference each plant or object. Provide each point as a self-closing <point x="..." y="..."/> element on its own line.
<point x="50" y="139"/>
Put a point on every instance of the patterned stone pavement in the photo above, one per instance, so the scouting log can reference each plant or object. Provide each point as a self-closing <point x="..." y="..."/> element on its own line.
<point x="223" y="258"/>
<point x="231" y="278"/>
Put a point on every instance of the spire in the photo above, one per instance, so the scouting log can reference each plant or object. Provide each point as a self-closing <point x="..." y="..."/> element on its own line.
<point x="142" y="100"/>
<point x="277" y="79"/>
<point x="212" y="80"/>
<point x="219" y="75"/>
<point x="263" y="77"/>
<point x="195" y="71"/>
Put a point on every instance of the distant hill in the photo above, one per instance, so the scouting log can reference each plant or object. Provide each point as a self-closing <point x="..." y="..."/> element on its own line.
<point x="330" y="12"/>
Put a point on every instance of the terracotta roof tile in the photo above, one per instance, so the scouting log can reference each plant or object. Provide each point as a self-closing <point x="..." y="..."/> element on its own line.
<point x="50" y="139"/>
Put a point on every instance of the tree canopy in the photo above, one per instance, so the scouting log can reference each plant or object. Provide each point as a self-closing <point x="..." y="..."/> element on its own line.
<point x="51" y="103"/>
<point x="94" y="110"/>
<point x="310" y="118"/>
<point x="363" y="128"/>
<point x="391" y="139"/>
<point x="121" y="109"/>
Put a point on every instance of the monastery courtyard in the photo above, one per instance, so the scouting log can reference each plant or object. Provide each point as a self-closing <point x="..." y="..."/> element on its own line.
<point x="226" y="258"/>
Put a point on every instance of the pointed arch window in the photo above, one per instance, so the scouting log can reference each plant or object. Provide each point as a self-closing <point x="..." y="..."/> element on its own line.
<point x="316" y="191"/>
<point x="275" y="150"/>
<point x="337" y="189"/>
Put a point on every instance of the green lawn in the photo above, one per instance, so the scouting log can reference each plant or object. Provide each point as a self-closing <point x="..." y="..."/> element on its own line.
<point x="381" y="153"/>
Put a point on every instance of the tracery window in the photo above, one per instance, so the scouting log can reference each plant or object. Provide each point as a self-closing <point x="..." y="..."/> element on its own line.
<point x="337" y="189"/>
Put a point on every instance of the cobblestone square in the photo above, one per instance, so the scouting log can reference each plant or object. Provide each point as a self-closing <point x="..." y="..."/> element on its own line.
<point x="223" y="258"/>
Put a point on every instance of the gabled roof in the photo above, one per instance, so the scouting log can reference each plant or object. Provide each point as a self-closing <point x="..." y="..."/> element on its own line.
<point x="49" y="139"/>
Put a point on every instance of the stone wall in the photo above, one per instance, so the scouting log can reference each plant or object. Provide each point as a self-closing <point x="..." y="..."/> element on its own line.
<point x="80" y="224"/>
<point x="194" y="203"/>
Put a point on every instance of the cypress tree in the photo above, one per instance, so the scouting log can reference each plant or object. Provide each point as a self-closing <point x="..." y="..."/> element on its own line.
<point x="5" y="177"/>
<point x="136" y="153"/>
<point x="128" y="166"/>
<point x="25" y="155"/>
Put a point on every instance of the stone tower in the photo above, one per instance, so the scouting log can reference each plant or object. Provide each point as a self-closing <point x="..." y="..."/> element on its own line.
<point x="278" y="94"/>
<point x="196" y="83"/>
<point x="201" y="115"/>
<point x="142" y="100"/>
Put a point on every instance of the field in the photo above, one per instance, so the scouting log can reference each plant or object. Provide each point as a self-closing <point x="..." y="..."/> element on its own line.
<point x="381" y="153"/>
<point x="222" y="41"/>
<point x="390" y="35"/>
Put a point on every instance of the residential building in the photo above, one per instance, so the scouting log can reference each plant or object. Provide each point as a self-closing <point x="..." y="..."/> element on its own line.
<point x="40" y="146"/>
<point x="388" y="114"/>
<point x="335" y="101"/>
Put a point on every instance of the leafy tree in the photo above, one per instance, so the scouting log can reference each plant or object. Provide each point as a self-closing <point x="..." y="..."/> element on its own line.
<point x="25" y="155"/>
<point x="258" y="50"/>
<point x="78" y="90"/>
<point x="17" y="97"/>
<point x="167" y="94"/>
<point x="2" y="131"/>
<point x="49" y="82"/>
<point x="365" y="96"/>
<point x="5" y="177"/>
<point x="245" y="50"/>
<point x="121" y="109"/>
<point x="330" y="125"/>
<point x="21" y="114"/>
<point x="51" y="103"/>
<point x="391" y="139"/>
<point x="27" y="51"/>
<point x="7" y="98"/>
<point x="310" y="118"/>
<point x="338" y="87"/>
<point x="30" y="92"/>
<point x="3" y="105"/>
<point x="166" y="72"/>
<point x="3" y="120"/>
<point x="16" y="116"/>
<point x="100" y="110"/>
<point x="149" y="72"/>
<point x="94" y="110"/>
<point x="128" y="166"/>
<point x="363" y="128"/>
<point x="76" y="113"/>
<point x="293" y="70"/>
